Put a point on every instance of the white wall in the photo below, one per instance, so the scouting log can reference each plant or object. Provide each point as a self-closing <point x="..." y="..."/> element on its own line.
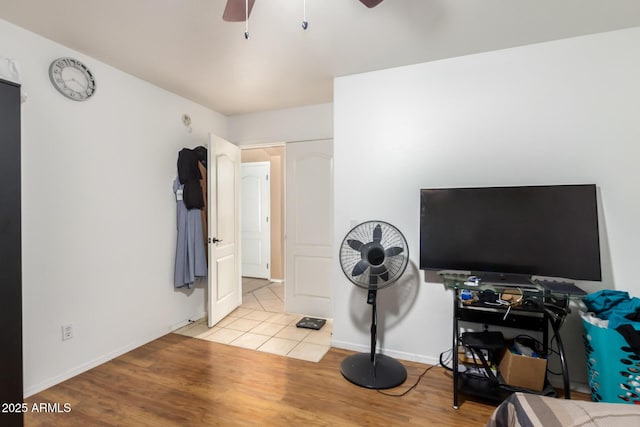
<point x="552" y="113"/>
<point x="308" y="123"/>
<point x="98" y="212"/>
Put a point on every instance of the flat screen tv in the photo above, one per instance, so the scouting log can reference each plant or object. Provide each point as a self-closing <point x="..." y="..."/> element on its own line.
<point x="514" y="232"/>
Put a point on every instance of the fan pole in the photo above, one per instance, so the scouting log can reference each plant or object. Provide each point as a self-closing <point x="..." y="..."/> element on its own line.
<point x="371" y="299"/>
<point x="373" y="370"/>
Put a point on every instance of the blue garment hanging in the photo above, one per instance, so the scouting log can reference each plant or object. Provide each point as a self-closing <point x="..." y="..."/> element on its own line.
<point x="191" y="260"/>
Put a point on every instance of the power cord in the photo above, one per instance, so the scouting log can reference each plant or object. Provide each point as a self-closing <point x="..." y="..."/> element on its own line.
<point x="443" y="362"/>
<point x="447" y="355"/>
<point x="410" y="388"/>
<point x="550" y="349"/>
<point x="449" y="358"/>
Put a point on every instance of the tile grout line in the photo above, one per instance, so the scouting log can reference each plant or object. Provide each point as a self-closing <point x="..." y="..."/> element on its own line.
<point x="280" y="326"/>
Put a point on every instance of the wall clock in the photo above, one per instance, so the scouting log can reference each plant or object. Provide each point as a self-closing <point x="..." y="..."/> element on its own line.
<point x="72" y="79"/>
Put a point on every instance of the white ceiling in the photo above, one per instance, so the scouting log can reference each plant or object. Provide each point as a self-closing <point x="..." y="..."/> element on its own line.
<point x="186" y="48"/>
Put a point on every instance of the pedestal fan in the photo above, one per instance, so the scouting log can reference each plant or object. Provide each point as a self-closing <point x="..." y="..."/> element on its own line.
<point x="373" y="255"/>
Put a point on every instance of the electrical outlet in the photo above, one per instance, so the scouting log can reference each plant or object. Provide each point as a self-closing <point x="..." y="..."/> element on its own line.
<point x="67" y="332"/>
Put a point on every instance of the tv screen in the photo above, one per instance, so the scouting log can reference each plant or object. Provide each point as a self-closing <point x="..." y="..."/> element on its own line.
<point x="529" y="230"/>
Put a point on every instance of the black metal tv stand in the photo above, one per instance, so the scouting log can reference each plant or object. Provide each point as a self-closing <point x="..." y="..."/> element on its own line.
<point x="541" y="310"/>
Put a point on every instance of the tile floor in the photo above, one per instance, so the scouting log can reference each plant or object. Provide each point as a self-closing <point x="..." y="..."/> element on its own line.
<point x="260" y="323"/>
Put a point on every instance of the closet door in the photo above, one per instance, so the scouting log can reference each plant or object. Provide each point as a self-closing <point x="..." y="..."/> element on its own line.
<point x="309" y="228"/>
<point x="10" y="256"/>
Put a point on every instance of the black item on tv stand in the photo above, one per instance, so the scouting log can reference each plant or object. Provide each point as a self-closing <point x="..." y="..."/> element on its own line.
<point x="503" y="279"/>
<point x="523" y="281"/>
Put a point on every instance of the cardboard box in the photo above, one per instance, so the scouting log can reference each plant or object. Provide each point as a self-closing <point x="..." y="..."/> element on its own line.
<point x="523" y="371"/>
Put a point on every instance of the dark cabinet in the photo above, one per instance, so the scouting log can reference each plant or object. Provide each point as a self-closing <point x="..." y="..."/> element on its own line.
<point x="11" y="386"/>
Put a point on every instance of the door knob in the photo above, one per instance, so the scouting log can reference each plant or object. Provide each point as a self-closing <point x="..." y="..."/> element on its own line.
<point x="215" y="240"/>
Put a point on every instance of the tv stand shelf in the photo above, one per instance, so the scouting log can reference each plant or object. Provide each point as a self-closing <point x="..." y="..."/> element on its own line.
<point x="538" y="309"/>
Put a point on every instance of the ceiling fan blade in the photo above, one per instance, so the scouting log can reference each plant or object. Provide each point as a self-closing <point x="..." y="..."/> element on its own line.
<point x="396" y="250"/>
<point x="377" y="234"/>
<point x="234" y="11"/>
<point x="371" y="3"/>
<point x="360" y="267"/>
<point x="355" y="244"/>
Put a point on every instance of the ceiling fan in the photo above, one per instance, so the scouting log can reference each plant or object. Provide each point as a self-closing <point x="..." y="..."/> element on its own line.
<point x="239" y="10"/>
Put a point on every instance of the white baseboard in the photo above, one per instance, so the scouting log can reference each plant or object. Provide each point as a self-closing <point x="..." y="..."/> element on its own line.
<point x="411" y="357"/>
<point x="70" y="373"/>
<point x="555" y="382"/>
<point x="188" y="321"/>
<point x="29" y="391"/>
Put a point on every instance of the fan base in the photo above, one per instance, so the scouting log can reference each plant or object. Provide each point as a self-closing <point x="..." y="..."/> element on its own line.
<point x="359" y="369"/>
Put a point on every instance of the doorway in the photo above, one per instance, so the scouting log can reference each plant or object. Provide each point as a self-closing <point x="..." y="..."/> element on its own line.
<point x="255" y="218"/>
<point x="305" y="170"/>
<point x="273" y="156"/>
<point x="262" y="321"/>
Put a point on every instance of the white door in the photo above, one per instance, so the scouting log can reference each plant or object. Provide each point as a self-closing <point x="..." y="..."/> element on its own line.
<point x="309" y="227"/>
<point x="225" y="285"/>
<point x="256" y="228"/>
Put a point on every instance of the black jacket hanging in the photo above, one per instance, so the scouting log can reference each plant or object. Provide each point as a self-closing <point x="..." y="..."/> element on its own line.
<point x="201" y="154"/>
<point x="189" y="176"/>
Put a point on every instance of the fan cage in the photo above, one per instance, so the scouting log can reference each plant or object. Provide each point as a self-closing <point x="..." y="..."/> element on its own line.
<point x="395" y="265"/>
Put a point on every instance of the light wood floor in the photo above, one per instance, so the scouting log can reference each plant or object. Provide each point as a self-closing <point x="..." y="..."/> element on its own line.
<point x="181" y="381"/>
